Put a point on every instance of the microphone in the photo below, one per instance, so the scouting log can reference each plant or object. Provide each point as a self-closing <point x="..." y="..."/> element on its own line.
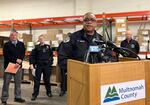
<point x="121" y="50"/>
<point x="117" y="49"/>
<point x="98" y="42"/>
<point x="111" y="44"/>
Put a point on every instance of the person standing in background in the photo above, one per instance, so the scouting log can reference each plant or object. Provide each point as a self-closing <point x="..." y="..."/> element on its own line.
<point x="41" y="58"/>
<point x="63" y="69"/>
<point x="14" y="52"/>
<point x="131" y="44"/>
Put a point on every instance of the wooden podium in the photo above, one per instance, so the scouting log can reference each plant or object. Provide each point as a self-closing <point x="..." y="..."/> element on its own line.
<point x="86" y="80"/>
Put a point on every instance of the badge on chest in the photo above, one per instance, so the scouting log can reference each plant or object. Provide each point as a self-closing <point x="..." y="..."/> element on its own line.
<point x="81" y="41"/>
<point x="44" y="49"/>
<point x="132" y="46"/>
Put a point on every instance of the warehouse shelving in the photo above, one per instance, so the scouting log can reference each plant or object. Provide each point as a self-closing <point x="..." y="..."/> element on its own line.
<point x="136" y="16"/>
<point x="71" y="20"/>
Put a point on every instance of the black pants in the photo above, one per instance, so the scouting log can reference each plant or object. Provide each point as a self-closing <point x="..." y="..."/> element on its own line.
<point x="46" y="70"/>
<point x="63" y="80"/>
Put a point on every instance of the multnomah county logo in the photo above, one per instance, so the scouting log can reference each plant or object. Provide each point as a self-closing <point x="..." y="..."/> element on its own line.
<point x="111" y="95"/>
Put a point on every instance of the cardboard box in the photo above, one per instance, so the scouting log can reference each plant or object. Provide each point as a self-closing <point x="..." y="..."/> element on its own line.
<point x="25" y="77"/>
<point x="143" y="36"/>
<point x="54" y="43"/>
<point x="142" y="56"/>
<point x="51" y="34"/>
<point x="143" y="48"/>
<point x="25" y="65"/>
<point x="121" y="26"/>
<point x="55" y="61"/>
<point x="25" y="38"/>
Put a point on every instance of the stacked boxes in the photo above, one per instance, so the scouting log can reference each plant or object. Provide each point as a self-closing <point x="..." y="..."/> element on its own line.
<point x="30" y="46"/>
<point x="143" y="39"/>
<point x="25" y="38"/>
<point x="121" y="27"/>
<point x="55" y="36"/>
<point x="25" y="67"/>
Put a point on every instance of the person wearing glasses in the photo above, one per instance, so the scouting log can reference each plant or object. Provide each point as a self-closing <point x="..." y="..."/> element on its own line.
<point x="76" y="45"/>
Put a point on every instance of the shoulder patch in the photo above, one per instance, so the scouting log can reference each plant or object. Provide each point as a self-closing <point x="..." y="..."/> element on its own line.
<point x="67" y="39"/>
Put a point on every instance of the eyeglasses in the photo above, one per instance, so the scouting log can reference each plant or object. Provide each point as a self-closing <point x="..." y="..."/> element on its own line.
<point x="89" y="19"/>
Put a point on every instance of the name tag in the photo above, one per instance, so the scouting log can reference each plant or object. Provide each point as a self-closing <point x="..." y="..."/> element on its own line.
<point x="82" y="41"/>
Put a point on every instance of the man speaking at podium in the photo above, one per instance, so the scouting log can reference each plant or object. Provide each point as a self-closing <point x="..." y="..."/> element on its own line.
<point x="76" y="46"/>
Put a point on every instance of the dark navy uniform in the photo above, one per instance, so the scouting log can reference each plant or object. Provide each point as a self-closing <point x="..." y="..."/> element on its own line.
<point x="42" y="57"/>
<point x="63" y="69"/>
<point x="74" y="47"/>
<point x="132" y="45"/>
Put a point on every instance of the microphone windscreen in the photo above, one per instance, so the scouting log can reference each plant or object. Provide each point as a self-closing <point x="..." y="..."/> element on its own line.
<point x="111" y="44"/>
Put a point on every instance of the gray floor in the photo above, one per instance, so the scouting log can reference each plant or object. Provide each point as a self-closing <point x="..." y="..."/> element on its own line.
<point x="42" y="98"/>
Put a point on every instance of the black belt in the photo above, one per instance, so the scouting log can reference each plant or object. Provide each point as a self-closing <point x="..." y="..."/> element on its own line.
<point x="43" y="61"/>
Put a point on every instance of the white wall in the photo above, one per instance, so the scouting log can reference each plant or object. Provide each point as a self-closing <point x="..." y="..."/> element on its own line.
<point x="26" y="9"/>
<point x="23" y="9"/>
<point x="109" y="6"/>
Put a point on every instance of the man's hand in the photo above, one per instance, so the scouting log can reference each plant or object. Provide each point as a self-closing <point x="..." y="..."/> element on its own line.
<point x="19" y="61"/>
<point x="16" y="65"/>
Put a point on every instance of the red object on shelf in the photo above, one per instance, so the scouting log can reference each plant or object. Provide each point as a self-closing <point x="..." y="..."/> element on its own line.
<point x="55" y="53"/>
<point x="27" y="53"/>
<point x="71" y="20"/>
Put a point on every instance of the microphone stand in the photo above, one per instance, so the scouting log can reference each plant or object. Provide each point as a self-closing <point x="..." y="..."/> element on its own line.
<point x="87" y="54"/>
<point x="93" y="57"/>
<point x="126" y="49"/>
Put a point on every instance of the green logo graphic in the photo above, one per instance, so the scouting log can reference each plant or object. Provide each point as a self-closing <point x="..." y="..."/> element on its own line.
<point x="111" y="95"/>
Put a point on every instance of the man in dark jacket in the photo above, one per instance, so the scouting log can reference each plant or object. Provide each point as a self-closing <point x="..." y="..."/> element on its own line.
<point x="131" y="44"/>
<point x="76" y="46"/>
<point x="14" y="52"/>
<point x="42" y="58"/>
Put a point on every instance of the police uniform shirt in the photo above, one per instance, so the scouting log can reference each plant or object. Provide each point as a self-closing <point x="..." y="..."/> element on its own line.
<point x="90" y="37"/>
<point x="41" y="53"/>
<point x="79" y="43"/>
<point x="75" y="46"/>
<point x="132" y="45"/>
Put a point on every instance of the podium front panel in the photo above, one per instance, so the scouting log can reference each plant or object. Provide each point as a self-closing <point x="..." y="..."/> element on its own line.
<point x="85" y="80"/>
